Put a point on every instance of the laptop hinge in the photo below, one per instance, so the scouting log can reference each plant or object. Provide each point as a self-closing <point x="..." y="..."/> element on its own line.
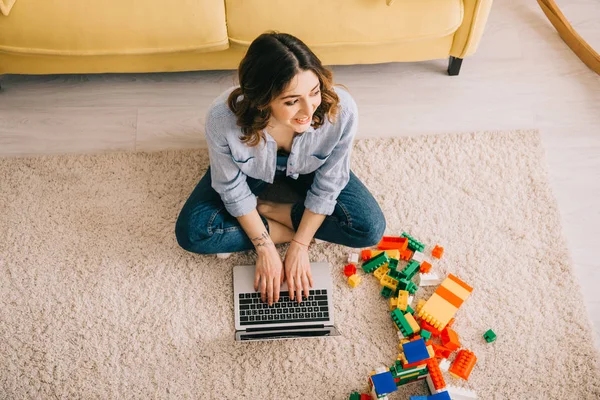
<point x="284" y="328"/>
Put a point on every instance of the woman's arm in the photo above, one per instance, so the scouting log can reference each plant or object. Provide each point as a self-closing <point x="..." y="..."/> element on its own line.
<point x="309" y="224"/>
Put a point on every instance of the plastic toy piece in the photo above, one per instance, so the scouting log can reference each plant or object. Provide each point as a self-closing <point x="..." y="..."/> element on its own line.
<point x="437" y="251"/>
<point x="443" y="395"/>
<point x="354" y="280"/>
<point x="436" y="379"/>
<point x="425" y="267"/>
<point x="460" y="393"/>
<point x="393" y="264"/>
<point x="352" y="258"/>
<point x="418" y="257"/>
<point x="383" y="384"/>
<point x="425" y="334"/>
<point x="444" y="302"/>
<point x="411" y="269"/>
<point x="412" y="322"/>
<point x="444" y="365"/>
<point x="381" y="271"/>
<point x="386" y="292"/>
<point x="418" y="397"/>
<point x="393" y="242"/>
<point x="463" y="364"/>
<point x="413" y="244"/>
<point x="354" y="396"/>
<point x="389" y="282"/>
<point x="366" y="254"/>
<point x="434" y="332"/>
<point x="350" y="270"/>
<point x="406" y="255"/>
<point x="450" y="339"/>
<point x="369" y="253"/>
<point x="401" y="322"/>
<point x="441" y="351"/>
<point x="489" y="336"/>
<point x="375" y="262"/>
<point x="415" y="351"/>
<point x="430" y="279"/>
<point x="402" y="300"/>
<point x="365" y="396"/>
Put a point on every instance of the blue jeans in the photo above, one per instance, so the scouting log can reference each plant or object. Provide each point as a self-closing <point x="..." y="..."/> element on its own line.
<point x="204" y="226"/>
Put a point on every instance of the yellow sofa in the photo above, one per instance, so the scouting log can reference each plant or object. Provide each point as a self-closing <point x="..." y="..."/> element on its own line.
<point x="90" y="36"/>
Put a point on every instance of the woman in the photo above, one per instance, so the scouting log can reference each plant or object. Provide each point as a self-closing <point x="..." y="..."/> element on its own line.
<point x="285" y="120"/>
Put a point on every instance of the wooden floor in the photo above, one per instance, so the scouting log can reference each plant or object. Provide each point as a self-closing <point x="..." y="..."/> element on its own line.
<point x="523" y="76"/>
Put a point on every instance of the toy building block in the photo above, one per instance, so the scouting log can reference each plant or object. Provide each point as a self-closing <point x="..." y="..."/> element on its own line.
<point x="406" y="255"/>
<point x="365" y="396"/>
<point x="425" y="267"/>
<point x="352" y="258"/>
<point x="443" y="395"/>
<point x="401" y="335"/>
<point x="430" y="279"/>
<point x="435" y="381"/>
<point x="437" y="251"/>
<point x="412" y="322"/>
<point x="441" y="351"/>
<point x="375" y="262"/>
<point x="393" y="264"/>
<point x="413" y="244"/>
<point x="366" y="254"/>
<point x="409" y="309"/>
<point x="411" y="269"/>
<point x="444" y="302"/>
<point x="386" y="292"/>
<point x="383" y="384"/>
<point x="425" y="334"/>
<point x="463" y="364"/>
<point x="444" y="365"/>
<point x="393" y="303"/>
<point x="354" y="280"/>
<point x="450" y="339"/>
<point x="450" y="323"/>
<point x="418" y="257"/>
<point x="393" y="242"/>
<point x="460" y="393"/>
<point x="418" y="397"/>
<point x="415" y="351"/>
<point x="389" y="282"/>
<point x="434" y="332"/>
<point x="354" y="396"/>
<point x="402" y="301"/>
<point x="381" y="271"/>
<point x="379" y="370"/>
<point x="401" y="323"/>
<point x="350" y="270"/>
<point x="410" y="286"/>
<point x="489" y="336"/>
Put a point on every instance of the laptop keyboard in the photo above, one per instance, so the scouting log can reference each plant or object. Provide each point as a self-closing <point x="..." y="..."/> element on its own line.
<point x="254" y="312"/>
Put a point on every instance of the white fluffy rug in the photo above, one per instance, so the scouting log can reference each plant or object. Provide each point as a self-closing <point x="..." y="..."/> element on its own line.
<point x="98" y="301"/>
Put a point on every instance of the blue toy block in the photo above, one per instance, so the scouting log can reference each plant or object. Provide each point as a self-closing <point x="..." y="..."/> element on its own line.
<point x="384" y="383"/>
<point x="415" y="351"/>
<point x="440" y="396"/>
<point x="418" y="397"/>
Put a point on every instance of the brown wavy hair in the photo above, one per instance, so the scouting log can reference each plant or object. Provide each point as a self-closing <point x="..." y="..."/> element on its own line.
<point x="270" y="64"/>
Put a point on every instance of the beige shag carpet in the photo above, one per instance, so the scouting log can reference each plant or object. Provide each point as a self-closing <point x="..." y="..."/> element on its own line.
<point x="97" y="301"/>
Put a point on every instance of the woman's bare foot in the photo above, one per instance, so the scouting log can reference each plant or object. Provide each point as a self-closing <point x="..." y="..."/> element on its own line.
<point x="279" y="212"/>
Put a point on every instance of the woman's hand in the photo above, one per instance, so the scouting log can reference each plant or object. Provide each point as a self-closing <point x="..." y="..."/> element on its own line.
<point x="268" y="276"/>
<point x="297" y="271"/>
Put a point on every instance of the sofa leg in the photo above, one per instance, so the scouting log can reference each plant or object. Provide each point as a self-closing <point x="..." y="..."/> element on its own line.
<point x="454" y="65"/>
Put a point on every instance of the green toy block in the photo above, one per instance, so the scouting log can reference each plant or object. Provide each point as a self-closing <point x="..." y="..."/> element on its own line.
<point x="489" y="336"/>
<point x="409" y="309"/>
<point x="393" y="264"/>
<point x="401" y="322"/>
<point x="386" y="292"/>
<point x="375" y="262"/>
<point x="410" y="270"/>
<point x="425" y="334"/>
<point x="394" y="274"/>
<point x="354" y="396"/>
<point x="405" y="284"/>
<point x="413" y="244"/>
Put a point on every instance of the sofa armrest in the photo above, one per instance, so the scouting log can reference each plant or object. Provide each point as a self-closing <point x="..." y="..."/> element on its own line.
<point x="468" y="35"/>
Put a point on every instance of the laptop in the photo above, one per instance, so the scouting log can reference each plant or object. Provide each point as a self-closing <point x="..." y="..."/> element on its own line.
<point x="286" y="319"/>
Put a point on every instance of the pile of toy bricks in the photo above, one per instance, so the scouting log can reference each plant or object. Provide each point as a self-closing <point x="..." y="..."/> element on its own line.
<point x="426" y="336"/>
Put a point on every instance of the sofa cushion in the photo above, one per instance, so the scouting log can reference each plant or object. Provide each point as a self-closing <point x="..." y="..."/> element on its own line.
<point x="323" y="23"/>
<point x="92" y="27"/>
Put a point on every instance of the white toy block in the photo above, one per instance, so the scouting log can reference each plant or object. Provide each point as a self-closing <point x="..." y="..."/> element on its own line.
<point x="432" y="388"/>
<point x="400" y="335"/>
<point x="410" y="300"/>
<point x="445" y="365"/>
<point x="457" y="393"/>
<point x="374" y="395"/>
<point x="418" y="256"/>
<point x="223" y="256"/>
<point x="429" y="279"/>
<point x="353" y="258"/>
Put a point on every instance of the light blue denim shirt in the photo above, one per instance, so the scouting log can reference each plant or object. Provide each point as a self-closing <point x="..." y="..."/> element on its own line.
<point x="325" y="150"/>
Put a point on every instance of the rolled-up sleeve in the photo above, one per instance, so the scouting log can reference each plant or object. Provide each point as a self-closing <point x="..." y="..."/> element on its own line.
<point x="227" y="178"/>
<point x="333" y="176"/>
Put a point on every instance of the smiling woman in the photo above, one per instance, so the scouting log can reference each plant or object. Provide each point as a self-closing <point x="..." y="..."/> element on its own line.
<point x="285" y="121"/>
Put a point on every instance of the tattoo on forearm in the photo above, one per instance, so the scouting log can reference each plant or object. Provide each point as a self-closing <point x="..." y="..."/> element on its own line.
<point x="263" y="240"/>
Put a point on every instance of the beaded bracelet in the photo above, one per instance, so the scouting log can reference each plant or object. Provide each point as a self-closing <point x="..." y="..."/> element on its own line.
<point x="294" y="240"/>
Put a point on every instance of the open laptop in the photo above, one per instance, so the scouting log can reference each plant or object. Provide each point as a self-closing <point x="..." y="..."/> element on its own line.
<point x="286" y="319"/>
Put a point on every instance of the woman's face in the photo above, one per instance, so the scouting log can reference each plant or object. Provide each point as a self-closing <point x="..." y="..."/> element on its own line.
<point x="294" y="108"/>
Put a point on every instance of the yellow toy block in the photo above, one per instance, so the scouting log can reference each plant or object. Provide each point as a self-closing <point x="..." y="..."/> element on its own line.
<point x="437" y="311"/>
<point x="393" y="303"/>
<point x="412" y="322"/>
<point x="389" y="282"/>
<point x="394" y="253"/>
<point x="430" y="351"/>
<point x="354" y="280"/>
<point x="381" y="271"/>
<point x="402" y="301"/>
<point x="420" y="305"/>
<point x="402" y="341"/>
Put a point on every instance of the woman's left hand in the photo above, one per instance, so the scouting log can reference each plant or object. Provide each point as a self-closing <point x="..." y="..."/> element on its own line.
<point x="297" y="271"/>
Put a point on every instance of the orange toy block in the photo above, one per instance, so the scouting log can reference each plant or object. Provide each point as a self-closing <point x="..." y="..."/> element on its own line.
<point x="463" y="364"/>
<point x="450" y="339"/>
<point x="441" y="351"/>
<point x="437" y="251"/>
<point x="366" y="254"/>
<point x="349" y="270"/>
<point x="406" y="255"/>
<point x="393" y="242"/>
<point x="425" y="267"/>
<point x="435" y="374"/>
<point x="444" y="302"/>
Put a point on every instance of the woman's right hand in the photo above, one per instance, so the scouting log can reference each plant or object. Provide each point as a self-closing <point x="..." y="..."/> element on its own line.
<point x="269" y="273"/>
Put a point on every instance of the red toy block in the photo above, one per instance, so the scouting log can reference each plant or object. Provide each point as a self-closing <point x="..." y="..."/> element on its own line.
<point x="437" y="251"/>
<point x="409" y="366"/>
<point x="450" y="339"/>
<point x="364" y="396"/>
<point x="435" y="374"/>
<point x="406" y="255"/>
<point x="350" y="270"/>
<point x="393" y="242"/>
<point x="463" y="364"/>
<point x="441" y="351"/>
<point x="425" y="267"/>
